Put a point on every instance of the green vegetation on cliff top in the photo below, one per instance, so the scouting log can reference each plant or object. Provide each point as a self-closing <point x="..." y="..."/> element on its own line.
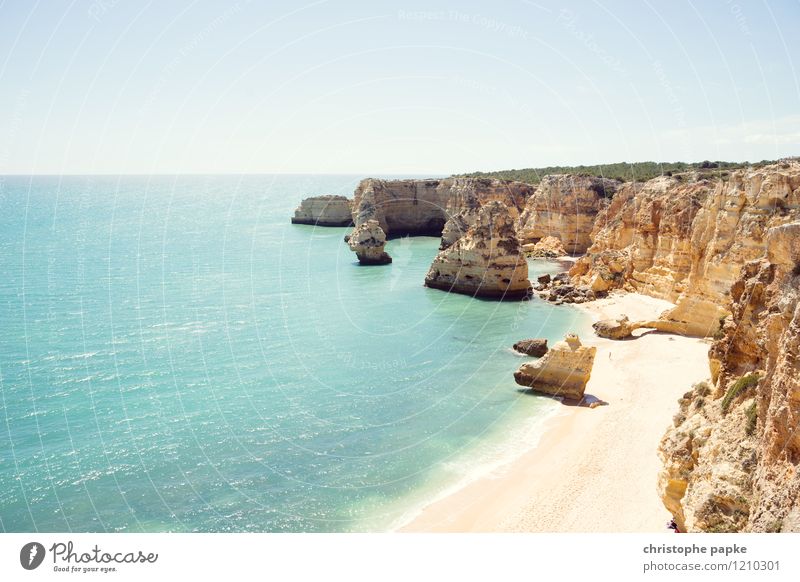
<point x="624" y="171"/>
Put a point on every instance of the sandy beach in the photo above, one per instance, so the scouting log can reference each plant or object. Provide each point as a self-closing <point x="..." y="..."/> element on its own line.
<point x="594" y="470"/>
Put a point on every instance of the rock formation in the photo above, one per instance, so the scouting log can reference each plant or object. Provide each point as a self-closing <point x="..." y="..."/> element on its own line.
<point x="549" y="247"/>
<point x="532" y="347"/>
<point x="559" y="289"/>
<point x="486" y="261"/>
<point x="447" y="207"/>
<point x="615" y="329"/>
<point x="367" y="241"/>
<point x="326" y="210"/>
<point x="685" y="239"/>
<point x="731" y="461"/>
<point x="726" y="251"/>
<point x="423" y="207"/>
<point x="563" y="371"/>
<point x="565" y="206"/>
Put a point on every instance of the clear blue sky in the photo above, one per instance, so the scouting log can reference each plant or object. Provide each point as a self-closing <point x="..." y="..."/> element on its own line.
<point x="339" y="86"/>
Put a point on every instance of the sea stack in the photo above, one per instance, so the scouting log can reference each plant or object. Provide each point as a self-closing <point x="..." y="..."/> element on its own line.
<point x="563" y="371"/>
<point x="486" y="262"/>
<point x="367" y="241"/>
<point x="329" y="210"/>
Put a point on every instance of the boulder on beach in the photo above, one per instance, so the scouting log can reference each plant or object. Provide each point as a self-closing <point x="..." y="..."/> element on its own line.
<point x="563" y="371"/>
<point x="615" y="329"/>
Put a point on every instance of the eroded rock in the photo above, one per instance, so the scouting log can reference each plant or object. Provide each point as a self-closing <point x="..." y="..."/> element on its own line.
<point x="563" y="371"/>
<point x="486" y="261"/>
<point x="532" y="347"/>
<point x="616" y="329"/>
<point x="367" y="241"/>
<point x="565" y="206"/>
<point x="549" y="247"/>
<point x="328" y="210"/>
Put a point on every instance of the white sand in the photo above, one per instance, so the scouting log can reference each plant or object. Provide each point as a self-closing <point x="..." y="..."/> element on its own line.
<point x="595" y="470"/>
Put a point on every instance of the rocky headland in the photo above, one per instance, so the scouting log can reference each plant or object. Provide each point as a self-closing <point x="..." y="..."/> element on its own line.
<point x="686" y="239"/>
<point x="423" y="207"/>
<point x="723" y="250"/>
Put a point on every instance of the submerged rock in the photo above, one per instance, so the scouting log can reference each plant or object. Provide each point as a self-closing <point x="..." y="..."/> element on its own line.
<point x="367" y="241"/>
<point x="532" y="347"/>
<point x="326" y="210"/>
<point x="563" y="371"/>
<point x="486" y="261"/>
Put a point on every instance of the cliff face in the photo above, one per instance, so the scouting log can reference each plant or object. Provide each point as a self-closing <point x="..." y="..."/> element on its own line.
<point x="686" y="241"/>
<point x="731" y="460"/>
<point x="401" y="207"/>
<point x="565" y="207"/>
<point x="326" y="210"/>
<point x="487" y="261"/>
<point x="422" y="207"/>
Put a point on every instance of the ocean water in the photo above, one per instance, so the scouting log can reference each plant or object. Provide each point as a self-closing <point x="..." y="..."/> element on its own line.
<point x="176" y="356"/>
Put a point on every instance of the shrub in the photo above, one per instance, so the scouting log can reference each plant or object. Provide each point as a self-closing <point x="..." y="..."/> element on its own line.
<point x="752" y="418"/>
<point x="622" y="171"/>
<point x="775" y="526"/>
<point x="739" y="387"/>
<point x="702" y="388"/>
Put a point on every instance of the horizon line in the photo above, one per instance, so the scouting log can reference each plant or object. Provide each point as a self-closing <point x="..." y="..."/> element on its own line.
<point x="410" y="173"/>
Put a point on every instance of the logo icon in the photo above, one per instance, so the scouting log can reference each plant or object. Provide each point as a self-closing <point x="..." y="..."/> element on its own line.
<point x="31" y="555"/>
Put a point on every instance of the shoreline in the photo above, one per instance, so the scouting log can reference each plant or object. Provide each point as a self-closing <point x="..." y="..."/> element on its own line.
<point x="592" y="470"/>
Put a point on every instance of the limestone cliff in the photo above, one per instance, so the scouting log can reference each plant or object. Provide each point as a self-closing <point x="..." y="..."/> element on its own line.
<point x="422" y="207"/>
<point x="686" y="239"/>
<point x="326" y="210"/>
<point x="731" y="461"/>
<point x="487" y="261"/>
<point x="563" y="371"/>
<point x="565" y="206"/>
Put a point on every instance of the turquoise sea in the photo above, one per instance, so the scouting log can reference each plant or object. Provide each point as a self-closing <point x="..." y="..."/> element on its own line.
<point x="176" y="356"/>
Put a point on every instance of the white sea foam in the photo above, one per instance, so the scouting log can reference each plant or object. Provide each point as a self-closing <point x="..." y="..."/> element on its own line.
<point x="489" y="458"/>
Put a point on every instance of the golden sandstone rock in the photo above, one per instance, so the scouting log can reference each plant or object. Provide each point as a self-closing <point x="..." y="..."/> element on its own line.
<point x="563" y="371"/>
<point x="549" y="247"/>
<point x="422" y="207"/>
<point x="367" y="241"/>
<point x="565" y="206"/>
<point x="326" y="210"/>
<point x="486" y="261"/>
<point x="731" y="461"/>
<point x="686" y="239"/>
<point x="726" y="251"/>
